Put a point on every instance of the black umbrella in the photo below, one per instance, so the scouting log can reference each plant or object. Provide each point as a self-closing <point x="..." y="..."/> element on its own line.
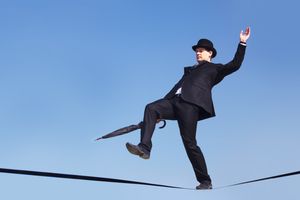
<point x="128" y="129"/>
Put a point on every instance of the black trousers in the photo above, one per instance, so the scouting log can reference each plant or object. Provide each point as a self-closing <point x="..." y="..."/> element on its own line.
<point x="187" y="115"/>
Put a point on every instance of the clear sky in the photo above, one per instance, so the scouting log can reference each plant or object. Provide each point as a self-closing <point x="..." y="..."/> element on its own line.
<point x="71" y="71"/>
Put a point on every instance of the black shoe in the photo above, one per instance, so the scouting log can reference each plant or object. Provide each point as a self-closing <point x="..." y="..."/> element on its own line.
<point x="137" y="150"/>
<point x="204" y="185"/>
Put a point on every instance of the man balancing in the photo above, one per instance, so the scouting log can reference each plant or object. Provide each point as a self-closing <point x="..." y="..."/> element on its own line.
<point x="189" y="101"/>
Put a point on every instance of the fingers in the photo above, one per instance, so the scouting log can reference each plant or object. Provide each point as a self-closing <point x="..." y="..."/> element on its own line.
<point x="247" y="32"/>
<point x="242" y="32"/>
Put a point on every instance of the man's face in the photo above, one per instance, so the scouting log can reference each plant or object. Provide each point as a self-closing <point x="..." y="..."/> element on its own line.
<point x="203" y="55"/>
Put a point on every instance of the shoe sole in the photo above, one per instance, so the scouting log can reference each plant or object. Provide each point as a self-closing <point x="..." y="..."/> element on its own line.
<point x="137" y="152"/>
<point x="204" y="188"/>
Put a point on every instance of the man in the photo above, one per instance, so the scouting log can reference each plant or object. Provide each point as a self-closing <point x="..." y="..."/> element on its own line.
<point x="189" y="101"/>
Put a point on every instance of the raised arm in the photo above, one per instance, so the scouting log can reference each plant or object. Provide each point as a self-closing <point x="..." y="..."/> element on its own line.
<point x="236" y="62"/>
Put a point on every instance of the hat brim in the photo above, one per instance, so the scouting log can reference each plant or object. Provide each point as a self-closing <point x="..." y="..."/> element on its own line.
<point x="214" y="51"/>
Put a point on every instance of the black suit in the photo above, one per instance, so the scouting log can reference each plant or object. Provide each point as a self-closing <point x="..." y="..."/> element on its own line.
<point x="194" y="103"/>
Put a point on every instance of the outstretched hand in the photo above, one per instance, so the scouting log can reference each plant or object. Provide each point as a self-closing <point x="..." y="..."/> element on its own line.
<point x="244" y="36"/>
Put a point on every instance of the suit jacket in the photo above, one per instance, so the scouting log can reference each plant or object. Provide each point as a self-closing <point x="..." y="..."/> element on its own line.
<point x="198" y="81"/>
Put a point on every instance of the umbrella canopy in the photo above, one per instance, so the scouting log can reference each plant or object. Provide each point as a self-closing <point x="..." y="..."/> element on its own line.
<point x="127" y="129"/>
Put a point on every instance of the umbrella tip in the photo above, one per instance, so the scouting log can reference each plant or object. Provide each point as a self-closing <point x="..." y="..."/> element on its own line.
<point x="98" y="138"/>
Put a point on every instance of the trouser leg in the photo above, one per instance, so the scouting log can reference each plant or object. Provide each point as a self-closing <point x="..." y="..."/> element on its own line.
<point x="187" y="120"/>
<point x="160" y="109"/>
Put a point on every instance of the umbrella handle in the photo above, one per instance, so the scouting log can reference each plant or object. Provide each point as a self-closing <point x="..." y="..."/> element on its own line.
<point x="164" y="123"/>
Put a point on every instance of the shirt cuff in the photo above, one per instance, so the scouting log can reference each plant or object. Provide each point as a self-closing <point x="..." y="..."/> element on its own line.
<point x="243" y="43"/>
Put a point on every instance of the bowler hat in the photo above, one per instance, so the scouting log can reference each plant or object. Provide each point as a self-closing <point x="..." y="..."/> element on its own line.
<point x="206" y="44"/>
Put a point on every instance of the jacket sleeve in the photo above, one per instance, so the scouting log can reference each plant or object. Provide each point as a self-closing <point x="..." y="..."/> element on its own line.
<point x="233" y="65"/>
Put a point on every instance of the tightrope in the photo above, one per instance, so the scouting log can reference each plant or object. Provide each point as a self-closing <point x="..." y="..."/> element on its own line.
<point x="123" y="181"/>
<point x="264" y="179"/>
<point x="82" y="177"/>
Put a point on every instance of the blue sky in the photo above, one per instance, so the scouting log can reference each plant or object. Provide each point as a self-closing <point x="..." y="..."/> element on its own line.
<point x="71" y="71"/>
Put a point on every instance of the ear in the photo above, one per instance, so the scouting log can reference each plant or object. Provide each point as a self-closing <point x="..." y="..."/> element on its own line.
<point x="210" y="54"/>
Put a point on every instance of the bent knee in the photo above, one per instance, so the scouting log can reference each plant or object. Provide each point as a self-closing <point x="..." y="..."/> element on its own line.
<point x="150" y="107"/>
